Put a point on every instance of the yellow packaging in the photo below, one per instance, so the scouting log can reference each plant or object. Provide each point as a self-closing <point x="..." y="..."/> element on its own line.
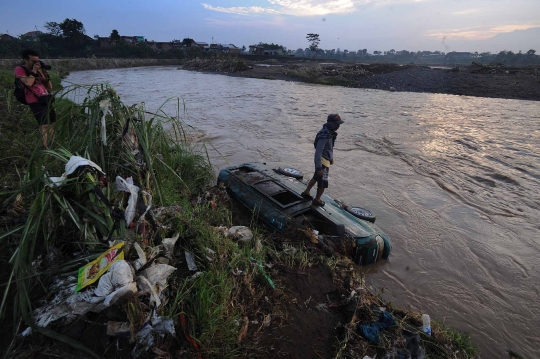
<point x="95" y="269"/>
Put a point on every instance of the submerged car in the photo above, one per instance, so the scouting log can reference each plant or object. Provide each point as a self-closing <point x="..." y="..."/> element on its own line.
<point x="275" y="197"/>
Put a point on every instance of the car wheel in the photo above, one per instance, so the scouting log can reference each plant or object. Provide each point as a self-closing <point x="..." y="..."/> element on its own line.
<point x="291" y="172"/>
<point x="361" y="213"/>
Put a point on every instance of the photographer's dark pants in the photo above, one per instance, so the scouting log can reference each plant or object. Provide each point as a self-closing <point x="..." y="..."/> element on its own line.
<point x="44" y="114"/>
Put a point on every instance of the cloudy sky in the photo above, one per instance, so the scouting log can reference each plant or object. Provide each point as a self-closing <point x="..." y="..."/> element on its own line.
<point x="446" y="25"/>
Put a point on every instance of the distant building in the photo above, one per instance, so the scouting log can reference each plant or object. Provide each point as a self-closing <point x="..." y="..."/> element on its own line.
<point x="6" y="37"/>
<point x="201" y="45"/>
<point x="132" y="39"/>
<point x="160" y="45"/>
<point x="106" y="42"/>
<point x="234" y="49"/>
<point x="31" y="35"/>
<point x="273" y="52"/>
<point x="223" y="49"/>
<point x="256" y="50"/>
<point x="459" y="55"/>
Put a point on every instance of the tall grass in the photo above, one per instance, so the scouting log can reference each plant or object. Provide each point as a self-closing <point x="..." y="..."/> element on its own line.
<point x="230" y="284"/>
<point x="151" y="148"/>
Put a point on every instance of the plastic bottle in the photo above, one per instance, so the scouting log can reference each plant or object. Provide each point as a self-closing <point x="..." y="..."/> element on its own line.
<point x="426" y="324"/>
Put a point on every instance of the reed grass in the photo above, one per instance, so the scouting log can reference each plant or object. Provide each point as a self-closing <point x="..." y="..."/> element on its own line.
<point x="70" y="217"/>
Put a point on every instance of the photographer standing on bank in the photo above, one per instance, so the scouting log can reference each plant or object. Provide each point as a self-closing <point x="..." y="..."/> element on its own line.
<point x="34" y="80"/>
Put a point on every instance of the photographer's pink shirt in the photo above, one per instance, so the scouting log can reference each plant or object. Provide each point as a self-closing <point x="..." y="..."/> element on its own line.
<point x="37" y="89"/>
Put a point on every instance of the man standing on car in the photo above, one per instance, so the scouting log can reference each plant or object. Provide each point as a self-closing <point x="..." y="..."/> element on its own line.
<point x="324" y="157"/>
<point x="37" y="87"/>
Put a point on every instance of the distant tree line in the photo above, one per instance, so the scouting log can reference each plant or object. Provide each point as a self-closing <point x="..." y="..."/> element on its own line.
<point x="432" y="57"/>
<point x="68" y="39"/>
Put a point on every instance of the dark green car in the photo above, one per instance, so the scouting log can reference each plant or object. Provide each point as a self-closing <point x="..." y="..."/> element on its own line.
<point x="274" y="195"/>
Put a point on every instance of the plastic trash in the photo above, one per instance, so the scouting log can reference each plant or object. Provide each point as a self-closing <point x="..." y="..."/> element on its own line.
<point x="72" y="165"/>
<point x="68" y="306"/>
<point x="156" y="327"/>
<point x="126" y="185"/>
<point x="138" y="263"/>
<point x="190" y="259"/>
<point x="240" y="233"/>
<point x="119" y="275"/>
<point x="412" y="343"/>
<point x="371" y="331"/>
<point x="104" y="107"/>
<point x="168" y="244"/>
<point x="118" y="329"/>
<point x="144" y="284"/>
<point x="91" y="272"/>
<point x="158" y="274"/>
<point x="290" y="250"/>
<point x="149" y="200"/>
<point x="426" y="324"/>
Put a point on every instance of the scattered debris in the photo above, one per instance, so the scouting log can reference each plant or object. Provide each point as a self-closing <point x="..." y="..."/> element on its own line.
<point x="95" y="269"/>
<point x="240" y="233"/>
<point x="190" y="260"/>
<point x="371" y="331"/>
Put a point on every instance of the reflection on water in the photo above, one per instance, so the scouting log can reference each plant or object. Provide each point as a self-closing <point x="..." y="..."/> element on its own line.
<point x="455" y="182"/>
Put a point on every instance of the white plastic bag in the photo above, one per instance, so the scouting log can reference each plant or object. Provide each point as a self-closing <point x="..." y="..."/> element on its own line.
<point x="126" y="185"/>
<point x="118" y="276"/>
<point x="74" y="163"/>
<point x="240" y="233"/>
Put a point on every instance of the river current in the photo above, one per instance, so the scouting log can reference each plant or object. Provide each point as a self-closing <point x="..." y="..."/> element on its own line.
<point x="454" y="181"/>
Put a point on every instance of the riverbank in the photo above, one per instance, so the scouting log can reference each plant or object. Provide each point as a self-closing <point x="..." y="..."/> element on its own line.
<point x="521" y="83"/>
<point x="66" y="65"/>
<point x="231" y="308"/>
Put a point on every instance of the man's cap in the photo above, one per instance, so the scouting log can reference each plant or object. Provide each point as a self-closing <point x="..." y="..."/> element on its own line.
<point x="335" y="118"/>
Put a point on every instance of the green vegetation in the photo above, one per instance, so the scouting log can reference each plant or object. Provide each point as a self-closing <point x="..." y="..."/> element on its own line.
<point x="59" y="221"/>
<point x="271" y="46"/>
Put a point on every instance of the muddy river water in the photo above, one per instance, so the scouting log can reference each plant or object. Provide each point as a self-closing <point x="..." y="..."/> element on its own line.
<point x="454" y="181"/>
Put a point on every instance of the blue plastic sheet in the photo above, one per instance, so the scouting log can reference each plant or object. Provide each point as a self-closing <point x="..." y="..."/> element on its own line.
<point x="371" y="331"/>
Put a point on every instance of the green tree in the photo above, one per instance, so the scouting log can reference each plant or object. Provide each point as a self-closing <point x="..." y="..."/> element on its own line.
<point x="188" y="42"/>
<point x="53" y="28"/>
<point x="272" y="46"/>
<point x="531" y="52"/>
<point x="314" y="41"/>
<point x="115" y="36"/>
<point x="72" y="30"/>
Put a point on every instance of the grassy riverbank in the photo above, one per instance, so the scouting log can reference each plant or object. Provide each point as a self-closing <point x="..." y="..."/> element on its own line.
<point x="91" y="63"/>
<point x="274" y="296"/>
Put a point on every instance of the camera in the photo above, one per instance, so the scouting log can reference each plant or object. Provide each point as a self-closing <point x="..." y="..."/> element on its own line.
<point x="45" y="66"/>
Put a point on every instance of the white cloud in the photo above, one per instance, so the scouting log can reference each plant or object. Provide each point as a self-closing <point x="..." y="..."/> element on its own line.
<point x="315" y="7"/>
<point x="465" y="12"/>
<point x="479" y="33"/>
<point x="277" y="22"/>
<point x="242" y="10"/>
<point x="307" y="7"/>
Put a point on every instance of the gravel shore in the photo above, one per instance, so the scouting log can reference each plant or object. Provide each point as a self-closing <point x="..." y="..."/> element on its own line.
<point x="473" y="80"/>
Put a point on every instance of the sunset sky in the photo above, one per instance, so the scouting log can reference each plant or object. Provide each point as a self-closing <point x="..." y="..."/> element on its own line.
<point x="346" y="24"/>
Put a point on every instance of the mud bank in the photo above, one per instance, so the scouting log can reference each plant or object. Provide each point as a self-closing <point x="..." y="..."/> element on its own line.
<point x="521" y="83"/>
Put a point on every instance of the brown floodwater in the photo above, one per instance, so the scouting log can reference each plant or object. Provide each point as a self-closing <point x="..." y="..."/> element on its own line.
<point x="453" y="180"/>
